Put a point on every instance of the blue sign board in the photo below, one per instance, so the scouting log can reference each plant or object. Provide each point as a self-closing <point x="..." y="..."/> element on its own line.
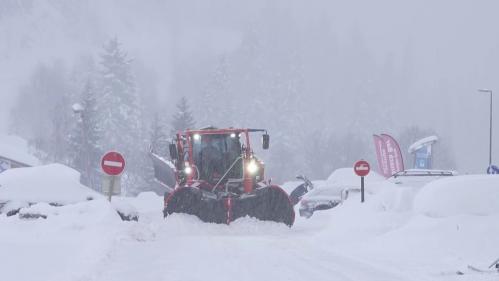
<point x="423" y="158"/>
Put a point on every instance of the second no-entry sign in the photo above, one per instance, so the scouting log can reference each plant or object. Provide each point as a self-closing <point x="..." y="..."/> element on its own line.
<point x="361" y="169"/>
<point x="113" y="163"/>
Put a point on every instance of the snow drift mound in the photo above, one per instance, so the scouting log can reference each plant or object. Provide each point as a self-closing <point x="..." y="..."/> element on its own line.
<point x="472" y="195"/>
<point x="54" y="183"/>
<point x="146" y="202"/>
<point x="188" y="225"/>
<point x="69" y="244"/>
<point x="391" y="197"/>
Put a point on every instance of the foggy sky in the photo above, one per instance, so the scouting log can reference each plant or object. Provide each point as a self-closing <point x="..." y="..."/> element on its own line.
<point x="448" y="50"/>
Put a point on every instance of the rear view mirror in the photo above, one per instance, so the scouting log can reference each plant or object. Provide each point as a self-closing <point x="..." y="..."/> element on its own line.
<point x="173" y="151"/>
<point x="265" y="141"/>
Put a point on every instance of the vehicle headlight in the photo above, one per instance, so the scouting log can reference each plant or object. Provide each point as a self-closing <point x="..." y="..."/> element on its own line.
<point x="252" y="167"/>
<point x="188" y="170"/>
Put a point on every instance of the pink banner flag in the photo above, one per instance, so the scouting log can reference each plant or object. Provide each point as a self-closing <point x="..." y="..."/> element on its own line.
<point x="395" y="160"/>
<point x="382" y="155"/>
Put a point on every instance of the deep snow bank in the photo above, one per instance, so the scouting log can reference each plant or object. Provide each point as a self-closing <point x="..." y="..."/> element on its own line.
<point x="68" y="245"/>
<point x="54" y="183"/>
<point x="429" y="232"/>
<point x="461" y="195"/>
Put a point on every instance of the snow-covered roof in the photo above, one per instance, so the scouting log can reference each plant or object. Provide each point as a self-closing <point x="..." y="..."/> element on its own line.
<point x="422" y="142"/>
<point x="16" y="148"/>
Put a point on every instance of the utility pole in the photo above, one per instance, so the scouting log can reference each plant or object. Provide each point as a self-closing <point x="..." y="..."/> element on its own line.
<point x="84" y="153"/>
<point x="490" y="123"/>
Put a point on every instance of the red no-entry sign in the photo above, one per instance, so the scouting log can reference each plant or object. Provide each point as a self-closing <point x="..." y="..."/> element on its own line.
<point x="113" y="163"/>
<point x="361" y="168"/>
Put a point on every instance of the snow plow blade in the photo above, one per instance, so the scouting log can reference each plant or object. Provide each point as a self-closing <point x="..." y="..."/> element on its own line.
<point x="193" y="201"/>
<point x="270" y="203"/>
<point x="267" y="204"/>
<point x="164" y="171"/>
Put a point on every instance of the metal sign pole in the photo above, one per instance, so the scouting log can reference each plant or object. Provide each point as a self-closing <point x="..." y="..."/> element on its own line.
<point x="361" y="168"/>
<point x="111" y="188"/>
<point x="490" y="134"/>
<point x="362" y="189"/>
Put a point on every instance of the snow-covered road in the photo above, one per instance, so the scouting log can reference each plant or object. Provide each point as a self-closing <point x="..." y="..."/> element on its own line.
<point x="182" y="249"/>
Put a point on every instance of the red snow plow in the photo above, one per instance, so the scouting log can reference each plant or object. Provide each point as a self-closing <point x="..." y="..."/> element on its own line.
<point x="219" y="179"/>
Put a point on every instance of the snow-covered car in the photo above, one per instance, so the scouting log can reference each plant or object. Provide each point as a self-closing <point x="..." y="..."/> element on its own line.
<point x="54" y="184"/>
<point x="331" y="192"/>
<point x="419" y="177"/>
<point x="346" y="179"/>
<point x="319" y="199"/>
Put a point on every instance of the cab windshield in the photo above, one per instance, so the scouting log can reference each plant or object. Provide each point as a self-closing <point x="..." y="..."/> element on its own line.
<point x="214" y="154"/>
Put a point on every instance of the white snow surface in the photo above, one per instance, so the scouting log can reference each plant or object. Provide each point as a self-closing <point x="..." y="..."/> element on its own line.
<point x="16" y="148"/>
<point x="394" y="235"/>
<point x="124" y="206"/>
<point x="53" y="183"/>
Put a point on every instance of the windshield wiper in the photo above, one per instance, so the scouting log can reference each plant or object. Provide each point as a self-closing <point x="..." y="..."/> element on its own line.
<point x="226" y="173"/>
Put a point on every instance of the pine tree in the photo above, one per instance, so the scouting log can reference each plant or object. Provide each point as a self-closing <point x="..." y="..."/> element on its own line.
<point x="217" y="102"/>
<point x="183" y="118"/>
<point x="61" y="119"/>
<point x="121" y="115"/>
<point x="85" y="138"/>
<point x="159" y="136"/>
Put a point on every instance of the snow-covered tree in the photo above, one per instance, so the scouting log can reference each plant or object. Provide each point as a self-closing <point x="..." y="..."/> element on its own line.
<point x="217" y="101"/>
<point x="86" y="147"/>
<point x="159" y="136"/>
<point x="61" y="119"/>
<point x="121" y="114"/>
<point x="183" y="118"/>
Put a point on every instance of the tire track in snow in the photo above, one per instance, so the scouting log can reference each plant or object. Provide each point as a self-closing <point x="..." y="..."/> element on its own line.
<point x="186" y="249"/>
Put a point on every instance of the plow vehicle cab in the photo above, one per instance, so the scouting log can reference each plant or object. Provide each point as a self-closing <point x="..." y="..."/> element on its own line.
<point x="219" y="179"/>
